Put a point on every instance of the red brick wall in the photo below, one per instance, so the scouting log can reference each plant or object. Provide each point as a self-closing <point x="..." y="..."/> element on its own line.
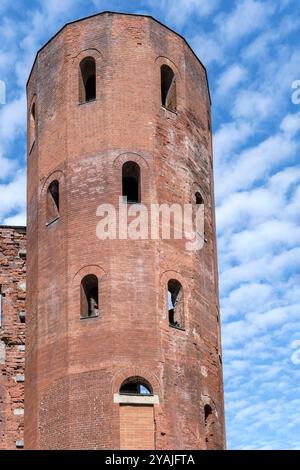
<point x="73" y="366"/>
<point x="136" y="427"/>
<point x="12" y="336"/>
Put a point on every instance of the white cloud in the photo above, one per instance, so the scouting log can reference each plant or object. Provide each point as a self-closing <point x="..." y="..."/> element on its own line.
<point x="248" y="208"/>
<point x="18" y="219"/>
<point x="13" y="195"/>
<point x="246" y="17"/>
<point x="208" y="49"/>
<point x="245" y="298"/>
<point x="230" y="136"/>
<point x="13" y="118"/>
<point x="178" y="12"/>
<point x="290" y="125"/>
<point x="260" y="47"/>
<point x="230" y="78"/>
<point x="7" y="166"/>
<point x="265" y="268"/>
<point x="251" y="104"/>
<point x="256" y="162"/>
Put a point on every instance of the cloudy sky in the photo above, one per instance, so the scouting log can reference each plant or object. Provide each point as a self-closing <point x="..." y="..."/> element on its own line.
<point x="251" y="49"/>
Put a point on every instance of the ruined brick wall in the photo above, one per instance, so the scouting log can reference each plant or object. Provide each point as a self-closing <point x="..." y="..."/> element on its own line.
<point x="12" y="336"/>
<point x="75" y="366"/>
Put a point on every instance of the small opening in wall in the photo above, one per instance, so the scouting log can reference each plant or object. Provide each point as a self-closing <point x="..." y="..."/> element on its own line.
<point x="87" y="82"/>
<point x="53" y="201"/>
<point x="22" y="317"/>
<point x="89" y="296"/>
<point x="32" y="125"/>
<point x="131" y="183"/>
<point x="207" y="413"/>
<point x="175" y="304"/>
<point x="198" y="198"/>
<point x="200" y="215"/>
<point x="168" y="88"/>
<point x="136" y="386"/>
<point x="209" y="426"/>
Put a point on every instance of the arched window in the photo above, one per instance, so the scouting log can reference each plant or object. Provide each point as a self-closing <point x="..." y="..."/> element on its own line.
<point x="198" y="198"/>
<point x="136" y="386"/>
<point x="137" y="426"/>
<point x="168" y="88"/>
<point x="209" y="426"/>
<point x="200" y="216"/>
<point x="89" y="297"/>
<point x="32" y="125"/>
<point x="53" y="201"/>
<point x="175" y="304"/>
<point x="131" y="182"/>
<point x="87" y="80"/>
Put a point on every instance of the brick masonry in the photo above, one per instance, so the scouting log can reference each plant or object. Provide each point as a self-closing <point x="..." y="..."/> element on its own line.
<point x="136" y="428"/>
<point x="74" y="367"/>
<point x="12" y="336"/>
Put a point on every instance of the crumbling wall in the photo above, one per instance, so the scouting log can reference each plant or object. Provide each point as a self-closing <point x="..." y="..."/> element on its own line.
<point x="12" y="335"/>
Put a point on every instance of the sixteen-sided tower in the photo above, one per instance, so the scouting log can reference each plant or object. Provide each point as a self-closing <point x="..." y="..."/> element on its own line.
<point x="123" y="336"/>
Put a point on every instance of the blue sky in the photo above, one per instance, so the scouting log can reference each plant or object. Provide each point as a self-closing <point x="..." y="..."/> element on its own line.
<point x="251" y="49"/>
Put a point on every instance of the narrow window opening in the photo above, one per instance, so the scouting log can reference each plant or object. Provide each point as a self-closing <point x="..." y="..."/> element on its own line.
<point x="168" y="88"/>
<point x="33" y="112"/>
<point x="32" y="125"/>
<point x="136" y="386"/>
<point x="22" y="317"/>
<point x="89" y="296"/>
<point x="53" y="201"/>
<point x="131" y="177"/>
<point x="198" y="198"/>
<point x="200" y="215"/>
<point x="87" y="82"/>
<point x="209" y="426"/>
<point x="175" y="304"/>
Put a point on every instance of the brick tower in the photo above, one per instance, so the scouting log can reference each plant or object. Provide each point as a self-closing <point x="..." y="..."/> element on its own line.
<point x="123" y="336"/>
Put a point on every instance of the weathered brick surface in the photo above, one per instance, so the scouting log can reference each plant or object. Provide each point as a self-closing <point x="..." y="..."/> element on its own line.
<point x="74" y="367"/>
<point x="137" y="428"/>
<point x="12" y="335"/>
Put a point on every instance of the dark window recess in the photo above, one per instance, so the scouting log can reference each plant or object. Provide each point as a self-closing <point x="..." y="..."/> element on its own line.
<point x="87" y="80"/>
<point x="175" y="304"/>
<point x="131" y="182"/>
<point x="89" y="296"/>
<point x="168" y="88"/>
<point x="33" y="112"/>
<point x="32" y="125"/>
<point x="136" y="386"/>
<point x="198" y="198"/>
<point x="90" y="88"/>
<point x="53" y="201"/>
<point x="22" y="317"/>
<point x="209" y="426"/>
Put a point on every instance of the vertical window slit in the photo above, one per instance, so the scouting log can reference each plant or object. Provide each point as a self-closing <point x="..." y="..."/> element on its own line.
<point x="175" y="304"/>
<point x="89" y="296"/>
<point x="131" y="183"/>
<point x="53" y="201"/>
<point x="87" y="80"/>
<point x="168" y="88"/>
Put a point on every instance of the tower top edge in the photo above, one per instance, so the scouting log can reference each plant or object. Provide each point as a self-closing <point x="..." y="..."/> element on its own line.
<point x="121" y="14"/>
